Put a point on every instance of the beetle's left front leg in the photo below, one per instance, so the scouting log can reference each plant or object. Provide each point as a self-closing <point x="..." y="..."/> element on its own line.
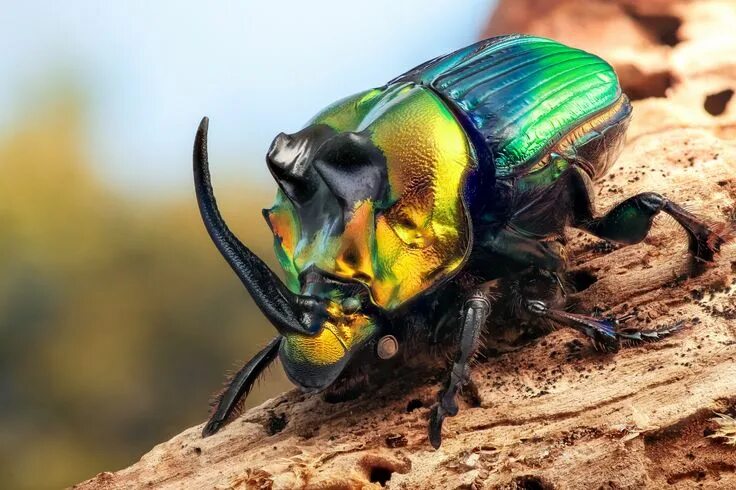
<point x="475" y="312"/>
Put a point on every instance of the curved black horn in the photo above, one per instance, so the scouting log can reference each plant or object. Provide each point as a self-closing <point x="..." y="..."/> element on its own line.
<point x="353" y="168"/>
<point x="288" y="312"/>
<point x="290" y="161"/>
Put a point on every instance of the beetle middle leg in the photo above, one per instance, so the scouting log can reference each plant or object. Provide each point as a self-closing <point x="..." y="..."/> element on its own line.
<point x="475" y="312"/>
<point x="606" y="333"/>
<point x="536" y="294"/>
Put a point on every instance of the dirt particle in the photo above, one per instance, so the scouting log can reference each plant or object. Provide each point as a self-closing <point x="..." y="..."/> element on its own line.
<point x="396" y="440"/>
<point x="604" y="247"/>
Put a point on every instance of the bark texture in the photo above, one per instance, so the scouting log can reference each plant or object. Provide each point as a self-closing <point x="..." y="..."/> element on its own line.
<point x="554" y="414"/>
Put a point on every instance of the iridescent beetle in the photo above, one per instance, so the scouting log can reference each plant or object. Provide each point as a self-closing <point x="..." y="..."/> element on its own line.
<point x="406" y="214"/>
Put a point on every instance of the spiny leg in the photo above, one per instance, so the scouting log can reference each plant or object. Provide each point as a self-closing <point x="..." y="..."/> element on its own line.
<point x="629" y="222"/>
<point x="240" y="386"/>
<point x="605" y="333"/>
<point x="538" y="294"/>
<point x="475" y="313"/>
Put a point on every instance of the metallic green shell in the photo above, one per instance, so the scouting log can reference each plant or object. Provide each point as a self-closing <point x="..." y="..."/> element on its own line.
<point x="522" y="94"/>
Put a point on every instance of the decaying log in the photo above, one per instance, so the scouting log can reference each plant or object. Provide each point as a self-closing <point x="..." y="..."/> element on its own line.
<point x="555" y="413"/>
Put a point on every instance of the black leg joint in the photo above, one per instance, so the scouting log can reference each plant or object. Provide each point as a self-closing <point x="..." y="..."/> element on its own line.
<point x="654" y="202"/>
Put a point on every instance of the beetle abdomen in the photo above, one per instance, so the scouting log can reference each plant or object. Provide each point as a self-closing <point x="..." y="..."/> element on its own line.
<point x="523" y="95"/>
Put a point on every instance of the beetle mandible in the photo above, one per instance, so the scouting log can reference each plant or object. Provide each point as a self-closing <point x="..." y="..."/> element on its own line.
<point x="407" y="214"/>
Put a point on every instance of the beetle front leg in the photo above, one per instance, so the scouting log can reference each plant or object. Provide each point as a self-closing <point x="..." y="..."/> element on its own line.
<point x="228" y="401"/>
<point x="475" y="312"/>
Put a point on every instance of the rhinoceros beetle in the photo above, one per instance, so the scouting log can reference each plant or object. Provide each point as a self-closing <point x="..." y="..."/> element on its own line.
<point x="407" y="213"/>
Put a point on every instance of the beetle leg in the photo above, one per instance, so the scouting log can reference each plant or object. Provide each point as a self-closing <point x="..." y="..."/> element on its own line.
<point x="239" y="387"/>
<point x="475" y="313"/>
<point x="547" y="255"/>
<point x="629" y="222"/>
<point x="606" y="333"/>
<point x="601" y="331"/>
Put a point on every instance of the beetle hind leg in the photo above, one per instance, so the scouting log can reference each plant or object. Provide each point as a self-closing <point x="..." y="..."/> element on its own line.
<point x="631" y="336"/>
<point x="630" y="221"/>
<point x="539" y="295"/>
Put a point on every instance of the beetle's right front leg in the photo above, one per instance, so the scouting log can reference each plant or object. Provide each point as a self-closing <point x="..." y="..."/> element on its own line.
<point x="475" y="312"/>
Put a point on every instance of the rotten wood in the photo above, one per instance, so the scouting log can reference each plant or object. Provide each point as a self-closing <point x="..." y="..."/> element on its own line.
<point x="556" y="413"/>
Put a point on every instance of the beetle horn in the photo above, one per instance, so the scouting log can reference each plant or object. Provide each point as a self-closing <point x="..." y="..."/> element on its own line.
<point x="290" y="161"/>
<point x="288" y="312"/>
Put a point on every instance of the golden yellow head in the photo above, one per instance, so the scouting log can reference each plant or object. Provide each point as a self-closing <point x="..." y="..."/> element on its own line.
<point x="417" y="233"/>
<point x="371" y="195"/>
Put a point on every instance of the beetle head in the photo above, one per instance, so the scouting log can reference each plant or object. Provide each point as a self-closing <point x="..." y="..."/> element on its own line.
<point x="370" y="197"/>
<point x="328" y="182"/>
<point x="324" y="321"/>
<point x="369" y="215"/>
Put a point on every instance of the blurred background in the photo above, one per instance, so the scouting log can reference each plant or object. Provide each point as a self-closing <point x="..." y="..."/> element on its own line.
<point x="118" y="318"/>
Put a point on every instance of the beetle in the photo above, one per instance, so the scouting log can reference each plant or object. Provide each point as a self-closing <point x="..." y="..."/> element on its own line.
<point x="407" y="214"/>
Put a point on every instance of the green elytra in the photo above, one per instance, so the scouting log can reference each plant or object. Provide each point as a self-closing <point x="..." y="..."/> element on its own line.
<point x="522" y="93"/>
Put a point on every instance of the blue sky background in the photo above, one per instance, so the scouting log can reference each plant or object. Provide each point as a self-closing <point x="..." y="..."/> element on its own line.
<point x="149" y="70"/>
